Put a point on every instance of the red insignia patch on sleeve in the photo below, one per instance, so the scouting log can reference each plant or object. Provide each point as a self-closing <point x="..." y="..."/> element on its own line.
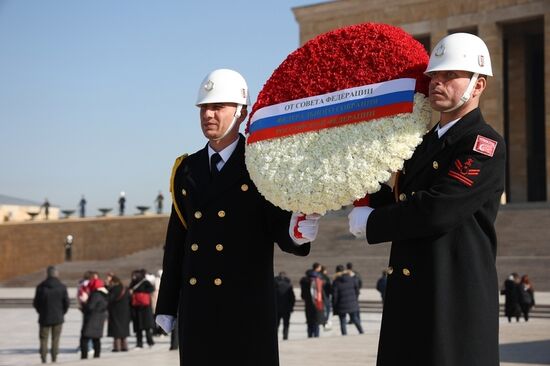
<point x="463" y="171"/>
<point x="485" y="145"/>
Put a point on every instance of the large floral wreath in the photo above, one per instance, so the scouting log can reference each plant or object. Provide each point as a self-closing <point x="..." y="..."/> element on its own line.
<point x="326" y="169"/>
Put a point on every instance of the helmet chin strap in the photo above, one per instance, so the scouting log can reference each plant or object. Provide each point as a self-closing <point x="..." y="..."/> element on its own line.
<point x="235" y="118"/>
<point x="467" y="93"/>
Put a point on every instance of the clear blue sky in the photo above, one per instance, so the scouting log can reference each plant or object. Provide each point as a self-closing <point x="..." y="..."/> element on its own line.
<point x="97" y="97"/>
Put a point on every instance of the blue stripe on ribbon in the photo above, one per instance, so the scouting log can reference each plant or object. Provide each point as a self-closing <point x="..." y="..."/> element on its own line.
<point x="332" y="110"/>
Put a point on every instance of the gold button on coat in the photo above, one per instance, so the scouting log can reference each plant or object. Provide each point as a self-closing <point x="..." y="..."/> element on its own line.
<point x="402" y="197"/>
<point x="244" y="187"/>
<point x="221" y="213"/>
<point x="435" y="164"/>
<point x="194" y="247"/>
<point x="184" y="192"/>
<point x="406" y="272"/>
<point x="198" y="214"/>
<point x="217" y="281"/>
<point x="219" y="247"/>
<point x="192" y="281"/>
<point x="389" y="270"/>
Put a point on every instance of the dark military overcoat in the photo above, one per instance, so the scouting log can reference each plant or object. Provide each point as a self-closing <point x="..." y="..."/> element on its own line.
<point x="441" y="305"/>
<point x="218" y="264"/>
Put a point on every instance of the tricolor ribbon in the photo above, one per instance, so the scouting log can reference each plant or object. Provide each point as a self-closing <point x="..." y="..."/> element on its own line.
<point x="334" y="109"/>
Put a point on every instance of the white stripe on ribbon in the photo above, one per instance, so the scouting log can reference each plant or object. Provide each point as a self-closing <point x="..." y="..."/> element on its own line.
<point x="339" y="96"/>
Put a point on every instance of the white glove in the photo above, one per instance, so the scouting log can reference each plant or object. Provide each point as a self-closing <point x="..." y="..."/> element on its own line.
<point x="166" y="322"/>
<point x="358" y="221"/>
<point x="303" y="228"/>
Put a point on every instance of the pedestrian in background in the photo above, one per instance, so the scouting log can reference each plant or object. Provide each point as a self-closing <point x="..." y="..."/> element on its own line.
<point x="285" y="301"/>
<point x="46" y="207"/>
<point x="82" y="289"/>
<point x="159" y="201"/>
<point x="95" y="314"/>
<point x="141" y="311"/>
<point x="359" y="282"/>
<point x="51" y="301"/>
<point x="312" y="293"/>
<point x="119" y="314"/>
<point x="121" y="203"/>
<point x="82" y="295"/>
<point x="345" y="290"/>
<point x="82" y="206"/>
<point x="527" y="296"/>
<point x="511" y="292"/>
<point x="381" y="284"/>
<point x="327" y="293"/>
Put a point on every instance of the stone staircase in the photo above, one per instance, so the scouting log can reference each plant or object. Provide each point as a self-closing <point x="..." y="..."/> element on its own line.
<point x="523" y="232"/>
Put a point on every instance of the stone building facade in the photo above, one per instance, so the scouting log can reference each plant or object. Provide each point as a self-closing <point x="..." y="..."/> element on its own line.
<point x="517" y="100"/>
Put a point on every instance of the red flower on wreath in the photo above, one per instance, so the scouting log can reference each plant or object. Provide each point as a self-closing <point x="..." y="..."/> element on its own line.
<point x="345" y="58"/>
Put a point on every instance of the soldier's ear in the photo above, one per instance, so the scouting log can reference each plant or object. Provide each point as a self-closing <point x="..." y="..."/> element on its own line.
<point x="242" y="116"/>
<point x="480" y="86"/>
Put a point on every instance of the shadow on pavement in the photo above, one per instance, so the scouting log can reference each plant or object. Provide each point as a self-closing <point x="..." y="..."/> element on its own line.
<point x="27" y="351"/>
<point x="535" y="352"/>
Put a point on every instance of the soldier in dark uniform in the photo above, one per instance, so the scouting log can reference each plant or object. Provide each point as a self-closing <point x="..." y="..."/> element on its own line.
<point x="441" y="305"/>
<point x="218" y="259"/>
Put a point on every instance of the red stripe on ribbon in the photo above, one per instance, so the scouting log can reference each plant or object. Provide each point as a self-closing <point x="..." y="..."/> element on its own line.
<point x="331" y="121"/>
<point x="461" y="178"/>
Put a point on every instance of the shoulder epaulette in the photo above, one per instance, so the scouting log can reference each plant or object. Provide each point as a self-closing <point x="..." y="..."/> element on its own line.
<point x="177" y="163"/>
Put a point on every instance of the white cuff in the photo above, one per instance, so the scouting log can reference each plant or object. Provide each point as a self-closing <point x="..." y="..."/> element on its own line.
<point x="166" y="322"/>
<point x="358" y="218"/>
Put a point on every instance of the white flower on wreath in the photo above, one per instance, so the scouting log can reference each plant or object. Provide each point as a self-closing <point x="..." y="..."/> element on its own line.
<point x="314" y="172"/>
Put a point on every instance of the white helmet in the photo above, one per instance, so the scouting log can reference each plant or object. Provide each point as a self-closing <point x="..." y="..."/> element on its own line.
<point x="461" y="51"/>
<point x="223" y="86"/>
<point x="465" y="52"/>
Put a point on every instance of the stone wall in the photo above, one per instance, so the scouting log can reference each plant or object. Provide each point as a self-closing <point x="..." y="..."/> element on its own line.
<point x="31" y="246"/>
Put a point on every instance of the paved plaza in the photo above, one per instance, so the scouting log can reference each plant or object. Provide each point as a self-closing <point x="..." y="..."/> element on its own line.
<point x="526" y="344"/>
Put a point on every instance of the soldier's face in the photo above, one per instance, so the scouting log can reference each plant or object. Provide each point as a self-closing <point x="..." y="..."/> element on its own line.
<point x="216" y="118"/>
<point x="446" y="88"/>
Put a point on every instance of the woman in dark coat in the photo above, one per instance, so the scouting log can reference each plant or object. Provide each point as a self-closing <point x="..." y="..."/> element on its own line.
<point x="142" y="313"/>
<point x="511" y="294"/>
<point x="345" y="291"/>
<point x="119" y="315"/>
<point x="95" y="314"/>
<point x="527" y="296"/>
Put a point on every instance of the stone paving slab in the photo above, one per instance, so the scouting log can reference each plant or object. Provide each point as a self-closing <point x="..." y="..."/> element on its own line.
<point x="522" y="344"/>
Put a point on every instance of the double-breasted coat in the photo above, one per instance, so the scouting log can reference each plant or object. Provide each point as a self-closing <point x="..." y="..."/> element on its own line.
<point x="218" y="263"/>
<point x="441" y="306"/>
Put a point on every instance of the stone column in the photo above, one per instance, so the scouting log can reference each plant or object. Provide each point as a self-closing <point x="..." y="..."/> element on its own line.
<point x="517" y="128"/>
<point x="492" y="100"/>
